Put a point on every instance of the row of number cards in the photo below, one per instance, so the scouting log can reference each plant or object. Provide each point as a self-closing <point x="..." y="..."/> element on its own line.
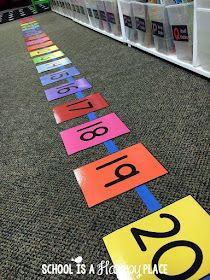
<point x="134" y="164"/>
<point x="176" y="235"/>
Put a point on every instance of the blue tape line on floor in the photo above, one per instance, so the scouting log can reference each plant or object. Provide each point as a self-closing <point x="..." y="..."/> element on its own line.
<point x="148" y="198"/>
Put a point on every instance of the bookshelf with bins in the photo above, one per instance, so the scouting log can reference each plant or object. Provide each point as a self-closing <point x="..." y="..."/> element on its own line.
<point x="177" y="33"/>
<point x="87" y="13"/>
<point x="203" y="33"/>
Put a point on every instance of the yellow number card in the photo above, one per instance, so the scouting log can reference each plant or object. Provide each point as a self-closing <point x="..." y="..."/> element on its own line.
<point x="170" y="244"/>
<point x="29" y="23"/>
<point x="47" y="57"/>
<point x="43" y="51"/>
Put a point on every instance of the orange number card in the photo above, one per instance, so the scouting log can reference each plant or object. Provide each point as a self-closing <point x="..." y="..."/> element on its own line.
<point x="117" y="173"/>
<point x="39" y="46"/>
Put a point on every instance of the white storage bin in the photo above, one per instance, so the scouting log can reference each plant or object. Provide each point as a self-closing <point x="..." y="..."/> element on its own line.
<point x="161" y="29"/>
<point x="104" y="24"/>
<point x="63" y="4"/>
<point x="93" y="12"/>
<point x="55" y="6"/>
<point x="52" y="5"/>
<point x="90" y="13"/>
<point x="128" y="18"/>
<point x="83" y="11"/>
<point x="143" y="24"/>
<point x="203" y="4"/>
<point x="73" y="8"/>
<point x="60" y="7"/>
<point x="68" y="8"/>
<point x="181" y="20"/>
<point x="203" y="19"/>
<point x="77" y="10"/>
<point x="113" y="16"/>
<point x="65" y="10"/>
<point x="90" y="7"/>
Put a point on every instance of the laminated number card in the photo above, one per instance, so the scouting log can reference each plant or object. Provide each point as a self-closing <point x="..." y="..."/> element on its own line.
<point x="172" y="243"/>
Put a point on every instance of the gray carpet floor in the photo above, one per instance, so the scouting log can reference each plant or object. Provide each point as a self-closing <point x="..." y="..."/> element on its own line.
<point x="43" y="215"/>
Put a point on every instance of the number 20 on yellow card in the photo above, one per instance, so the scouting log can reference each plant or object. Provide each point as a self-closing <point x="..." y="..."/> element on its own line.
<point x="170" y="244"/>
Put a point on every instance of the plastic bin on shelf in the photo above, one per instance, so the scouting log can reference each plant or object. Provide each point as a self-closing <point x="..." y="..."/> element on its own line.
<point x="113" y="16"/>
<point x="56" y="6"/>
<point x="63" y="5"/>
<point x="83" y="11"/>
<point x="73" y="8"/>
<point x="181" y="20"/>
<point x="68" y="8"/>
<point x="143" y="24"/>
<point x="128" y="18"/>
<point x="93" y="13"/>
<point x="203" y="20"/>
<point x="161" y="29"/>
<point x="65" y="9"/>
<point x="89" y="7"/>
<point x="52" y="5"/>
<point x="77" y="10"/>
<point x="60" y="9"/>
<point x="90" y="13"/>
<point x="104" y="24"/>
<point x="203" y="4"/>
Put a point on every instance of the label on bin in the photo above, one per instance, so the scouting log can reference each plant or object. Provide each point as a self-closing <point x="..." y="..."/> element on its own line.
<point x="68" y="6"/>
<point x="82" y="10"/>
<point x="111" y="17"/>
<point x="140" y="24"/>
<point x="73" y="7"/>
<point x="127" y="21"/>
<point x="96" y="15"/>
<point x="102" y="15"/>
<point x="77" y="9"/>
<point x="157" y="29"/>
<point x="180" y="33"/>
<point x="90" y="12"/>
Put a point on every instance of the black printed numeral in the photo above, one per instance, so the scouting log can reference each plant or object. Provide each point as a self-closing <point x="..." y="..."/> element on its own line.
<point x="90" y="105"/>
<point x="120" y="177"/>
<point x="66" y="89"/>
<point x="58" y="76"/>
<point x="99" y="131"/>
<point x="180" y="243"/>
